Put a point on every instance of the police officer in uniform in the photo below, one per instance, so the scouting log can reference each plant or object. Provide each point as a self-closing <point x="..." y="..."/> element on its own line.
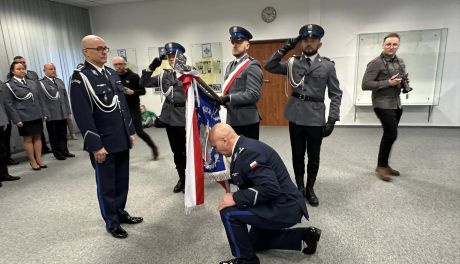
<point x="101" y="113"/>
<point x="31" y="75"/>
<point x="57" y="101"/>
<point x="266" y="199"/>
<point x="308" y="74"/>
<point x="132" y="91"/>
<point x="173" y="110"/>
<point x="4" y="121"/>
<point x="242" y="85"/>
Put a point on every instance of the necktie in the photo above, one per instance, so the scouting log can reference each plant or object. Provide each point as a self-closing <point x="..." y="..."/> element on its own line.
<point x="23" y="81"/>
<point x="103" y="73"/>
<point x="233" y="66"/>
<point x="309" y="62"/>
<point x="54" y="81"/>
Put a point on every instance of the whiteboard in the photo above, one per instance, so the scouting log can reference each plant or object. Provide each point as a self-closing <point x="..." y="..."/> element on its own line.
<point x="423" y="53"/>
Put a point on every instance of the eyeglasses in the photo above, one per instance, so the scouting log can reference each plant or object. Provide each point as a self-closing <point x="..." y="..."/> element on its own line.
<point x="100" y="49"/>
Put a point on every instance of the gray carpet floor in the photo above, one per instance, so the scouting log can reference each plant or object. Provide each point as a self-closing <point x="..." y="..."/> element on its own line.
<point x="52" y="216"/>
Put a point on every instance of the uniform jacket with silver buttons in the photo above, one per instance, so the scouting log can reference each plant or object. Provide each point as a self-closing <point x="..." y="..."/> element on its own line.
<point x="264" y="185"/>
<point x="376" y="77"/>
<point x="318" y="76"/>
<point x="22" y="107"/>
<point x="58" y="106"/>
<point x="244" y="94"/>
<point x="4" y="119"/>
<point x="173" y="110"/>
<point x="110" y="130"/>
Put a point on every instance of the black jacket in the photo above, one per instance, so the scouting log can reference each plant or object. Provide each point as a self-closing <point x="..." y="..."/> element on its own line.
<point x="131" y="80"/>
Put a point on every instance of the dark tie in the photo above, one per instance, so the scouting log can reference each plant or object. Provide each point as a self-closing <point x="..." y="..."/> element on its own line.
<point x="103" y="73"/>
<point x="309" y="62"/>
<point x="54" y="81"/>
<point x="233" y="65"/>
<point x="23" y="81"/>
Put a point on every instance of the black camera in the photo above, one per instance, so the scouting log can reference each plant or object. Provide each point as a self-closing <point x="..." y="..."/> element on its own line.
<point x="405" y="83"/>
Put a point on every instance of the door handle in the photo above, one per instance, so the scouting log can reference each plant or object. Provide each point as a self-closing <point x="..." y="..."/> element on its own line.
<point x="266" y="81"/>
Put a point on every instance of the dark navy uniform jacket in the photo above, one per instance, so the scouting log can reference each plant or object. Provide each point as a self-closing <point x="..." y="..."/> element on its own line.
<point x="100" y="126"/>
<point x="265" y="187"/>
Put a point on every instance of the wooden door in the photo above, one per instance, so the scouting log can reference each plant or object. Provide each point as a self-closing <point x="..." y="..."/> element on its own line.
<point x="274" y="87"/>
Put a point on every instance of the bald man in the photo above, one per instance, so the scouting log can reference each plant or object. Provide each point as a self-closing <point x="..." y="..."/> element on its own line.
<point x="57" y="101"/>
<point x="101" y="113"/>
<point x="266" y="199"/>
<point x="133" y="90"/>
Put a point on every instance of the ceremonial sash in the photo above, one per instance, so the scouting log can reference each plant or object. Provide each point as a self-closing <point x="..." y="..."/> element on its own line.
<point x="235" y="73"/>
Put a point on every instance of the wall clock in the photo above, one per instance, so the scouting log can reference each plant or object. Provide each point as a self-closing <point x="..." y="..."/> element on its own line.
<point x="268" y="14"/>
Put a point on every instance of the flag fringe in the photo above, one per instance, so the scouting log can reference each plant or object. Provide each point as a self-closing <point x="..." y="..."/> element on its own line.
<point x="217" y="176"/>
<point x="189" y="210"/>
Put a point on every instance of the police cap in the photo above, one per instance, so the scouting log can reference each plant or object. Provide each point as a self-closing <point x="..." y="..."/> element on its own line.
<point x="239" y="33"/>
<point x="172" y="47"/>
<point x="311" y="31"/>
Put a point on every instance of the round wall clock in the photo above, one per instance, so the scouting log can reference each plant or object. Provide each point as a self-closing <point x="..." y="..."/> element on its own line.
<point x="268" y="14"/>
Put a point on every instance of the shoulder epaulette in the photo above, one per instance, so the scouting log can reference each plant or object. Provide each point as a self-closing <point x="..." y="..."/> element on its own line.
<point x="80" y="67"/>
<point x="326" y="58"/>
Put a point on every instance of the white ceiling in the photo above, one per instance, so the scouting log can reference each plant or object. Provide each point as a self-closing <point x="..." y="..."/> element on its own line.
<point x="92" y="3"/>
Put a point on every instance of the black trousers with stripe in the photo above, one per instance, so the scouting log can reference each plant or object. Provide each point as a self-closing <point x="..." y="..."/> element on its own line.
<point x="264" y="234"/>
<point x="112" y="182"/>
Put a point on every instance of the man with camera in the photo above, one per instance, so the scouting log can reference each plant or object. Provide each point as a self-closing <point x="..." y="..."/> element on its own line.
<point x="386" y="77"/>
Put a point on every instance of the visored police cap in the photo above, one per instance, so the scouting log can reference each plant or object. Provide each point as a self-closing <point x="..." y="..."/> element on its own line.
<point x="239" y="33"/>
<point x="173" y="47"/>
<point x="311" y="31"/>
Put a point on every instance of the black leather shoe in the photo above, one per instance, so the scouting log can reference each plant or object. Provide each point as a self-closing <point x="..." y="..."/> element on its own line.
<point x="310" y="237"/>
<point x="179" y="187"/>
<point x="61" y="158"/>
<point x="311" y="196"/>
<point x="117" y="232"/>
<point x="131" y="220"/>
<point x="43" y="166"/>
<point x="9" y="178"/>
<point x="12" y="162"/>
<point x="69" y="155"/>
<point x="241" y="261"/>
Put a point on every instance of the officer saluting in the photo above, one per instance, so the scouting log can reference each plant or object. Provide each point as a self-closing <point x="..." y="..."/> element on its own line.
<point x="308" y="74"/>
<point x="242" y="84"/>
<point x="101" y="113"/>
<point x="173" y="110"/>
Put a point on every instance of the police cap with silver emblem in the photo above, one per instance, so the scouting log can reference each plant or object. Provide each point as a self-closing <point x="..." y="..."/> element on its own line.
<point x="172" y="47"/>
<point x="239" y="33"/>
<point x="311" y="31"/>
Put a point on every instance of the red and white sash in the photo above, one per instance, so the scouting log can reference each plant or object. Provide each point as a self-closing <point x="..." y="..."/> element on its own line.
<point x="235" y="73"/>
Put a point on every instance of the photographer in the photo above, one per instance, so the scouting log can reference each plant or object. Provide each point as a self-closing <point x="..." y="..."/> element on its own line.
<point x="386" y="77"/>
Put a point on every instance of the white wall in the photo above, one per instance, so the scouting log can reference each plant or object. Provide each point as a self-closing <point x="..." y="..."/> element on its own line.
<point x="150" y="24"/>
